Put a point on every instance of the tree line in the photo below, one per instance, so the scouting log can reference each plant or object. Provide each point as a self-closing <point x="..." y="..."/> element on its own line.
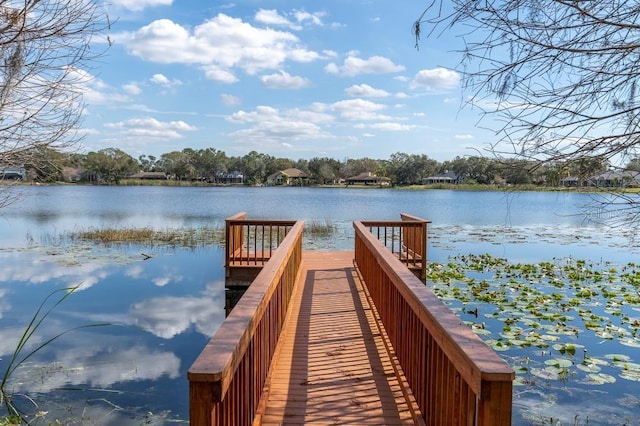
<point x="112" y="165"/>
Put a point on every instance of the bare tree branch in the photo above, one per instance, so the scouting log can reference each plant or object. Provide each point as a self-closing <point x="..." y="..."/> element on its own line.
<point x="558" y="78"/>
<point x="45" y="51"/>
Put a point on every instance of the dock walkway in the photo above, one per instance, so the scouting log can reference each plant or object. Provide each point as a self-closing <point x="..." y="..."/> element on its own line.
<point x="333" y="366"/>
<point x="342" y="337"/>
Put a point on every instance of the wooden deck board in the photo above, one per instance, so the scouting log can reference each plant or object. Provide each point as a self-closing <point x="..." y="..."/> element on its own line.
<point x="333" y="367"/>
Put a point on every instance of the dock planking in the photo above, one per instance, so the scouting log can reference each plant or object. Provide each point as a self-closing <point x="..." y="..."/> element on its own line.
<point x="332" y="365"/>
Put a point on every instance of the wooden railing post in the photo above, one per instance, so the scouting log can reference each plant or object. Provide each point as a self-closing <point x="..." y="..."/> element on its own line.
<point x="416" y="241"/>
<point x="233" y="238"/>
<point x="495" y="403"/>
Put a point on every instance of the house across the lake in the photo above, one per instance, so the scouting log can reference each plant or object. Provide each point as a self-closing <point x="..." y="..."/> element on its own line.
<point x="569" y="181"/>
<point x="608" y="179"/>
<point x="368" y="178"/>
<point x="446" y="177"/>
<point x="291" y="177"/>
<point x="615" y="179"/>
<point x="15" y="173"/>
<point x="229" y="177"/>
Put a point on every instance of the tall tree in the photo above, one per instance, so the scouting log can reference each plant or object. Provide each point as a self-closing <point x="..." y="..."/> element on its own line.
<point x="111" y="164"/>
<point x="45" y="55"/>
<point x="175" y="164"/>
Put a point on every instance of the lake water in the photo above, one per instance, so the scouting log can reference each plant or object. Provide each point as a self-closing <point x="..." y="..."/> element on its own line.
<point x="165" y="303"/>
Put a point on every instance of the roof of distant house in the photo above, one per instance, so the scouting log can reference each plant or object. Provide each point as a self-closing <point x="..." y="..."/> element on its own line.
<point x="294" y="173"/>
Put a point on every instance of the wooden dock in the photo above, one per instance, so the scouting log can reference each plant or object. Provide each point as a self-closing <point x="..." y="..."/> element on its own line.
<point x="332" y="366"/>
<point x="342" y="337"/>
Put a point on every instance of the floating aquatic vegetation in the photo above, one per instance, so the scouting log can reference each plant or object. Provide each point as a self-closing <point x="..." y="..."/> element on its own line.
<point x="559" y="314"/>
<point x="600" y="378"/>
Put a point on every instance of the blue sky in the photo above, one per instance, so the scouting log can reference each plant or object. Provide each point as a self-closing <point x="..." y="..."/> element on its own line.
<point x="294" y="79"/>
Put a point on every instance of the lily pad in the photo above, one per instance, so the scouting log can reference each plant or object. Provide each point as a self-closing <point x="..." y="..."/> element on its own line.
<point x="630" y="341"/>
<point x="600" y="378"/>
<point x="567" y="348"/>
<point x="618" y="357"/>
<point x="631" y="375"/>
<point x="559" y="362"/>
<point x="589" y="367"/>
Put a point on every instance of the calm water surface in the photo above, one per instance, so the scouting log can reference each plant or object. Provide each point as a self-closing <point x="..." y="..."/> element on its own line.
<point x="166" y="307"/>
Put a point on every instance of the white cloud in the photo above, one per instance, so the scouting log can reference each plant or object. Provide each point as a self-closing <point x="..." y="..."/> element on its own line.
<point x="132" y="88"/>
<point x="4" y="305"/>
<point x="464" y="136"/>
<point x="259" y="114"/>
<point x="437" y="78"/>
<point x="353" y="66"/>
<point x="270" y="126"/>
<point x="266" y="113"/>
<point x="159" y="79"/>
<point x="219" y="75"/>
<point x="272" y="17"/>
<point x="332" y="68"/>
<point x="365" y="91"/>
<point x="106" y="363"/>
<point x="284" y="80"/>
<point x="393" y="127"/>
<point x="329" y="53"/>
<point x="152" y="128"/>
<point x="169" y="316"/>
<point x="94" y="90"/>
<point x="229" y="100"/>
<point x="220" y="45"/>
<point x="314" y="18"/>
<point x="138" y="5"/>
<point x="162" y="80"/>
<point x="359" y="109"/>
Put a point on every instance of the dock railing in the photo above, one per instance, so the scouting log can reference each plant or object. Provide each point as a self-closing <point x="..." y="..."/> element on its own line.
<point x="227" y="378"/>
<point x="407" y="239"/>
<point x="251" y="243"/>
<point x="455" y="378"/>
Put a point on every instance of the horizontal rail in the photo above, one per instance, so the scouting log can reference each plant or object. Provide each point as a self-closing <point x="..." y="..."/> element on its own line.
<point x="252" y="242"/>
<point x="227" y="378"/>
<point x="407" y="239"/>
<point x="455" y="378"/>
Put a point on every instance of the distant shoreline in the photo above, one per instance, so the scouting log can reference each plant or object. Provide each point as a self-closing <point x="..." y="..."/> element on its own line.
<point x="451" y="187"/>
